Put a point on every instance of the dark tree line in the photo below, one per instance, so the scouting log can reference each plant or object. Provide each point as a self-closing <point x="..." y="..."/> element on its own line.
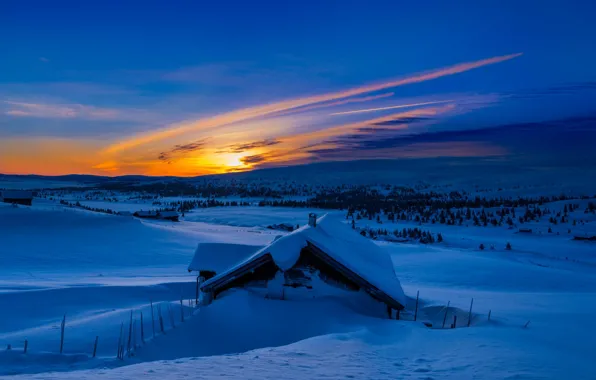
<point x="425" y="237"/>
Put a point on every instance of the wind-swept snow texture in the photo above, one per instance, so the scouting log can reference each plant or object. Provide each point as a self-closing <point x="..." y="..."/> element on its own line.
<point x="96" y="268"/>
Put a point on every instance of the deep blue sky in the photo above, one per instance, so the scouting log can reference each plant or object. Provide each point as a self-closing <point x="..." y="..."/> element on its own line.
<point x="391" y="37"/>
<point x="104" y="71"/>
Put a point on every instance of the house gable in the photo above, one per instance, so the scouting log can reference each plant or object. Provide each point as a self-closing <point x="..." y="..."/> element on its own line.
<point x="329" y="270"/>
<point x="339" y="255"/>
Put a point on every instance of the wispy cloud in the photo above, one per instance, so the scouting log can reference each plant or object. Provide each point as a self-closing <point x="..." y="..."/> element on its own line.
<point x="240" y="148"/>
<point x="17" y="113"/>
<point x="343" y="129"/>
<point x="59" y="111"/>
<point x="254" y="159"/>
<point x="413" y="150"/>
<point x="277" y="133"/>
<point x="69" y="113"/>
<point x="390" y="107"/>
<point x="563" y="89"/>
<point x="300" y="147"/>
<point x="211" y="123"/>
<point x="44" y="59"/>
<point x="400" y="121"/>
<point x="339" y="103"/>
<point x="182" y="149"/>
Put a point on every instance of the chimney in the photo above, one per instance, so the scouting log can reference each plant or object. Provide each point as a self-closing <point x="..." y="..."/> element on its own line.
<point x="312" y="219"/>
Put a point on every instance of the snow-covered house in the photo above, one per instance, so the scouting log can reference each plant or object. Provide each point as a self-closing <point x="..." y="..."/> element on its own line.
<point x="166" y="215"/>
<point x="146" y="214"/>
<point x="324" y="255"/>
<point x="21" y="197"/>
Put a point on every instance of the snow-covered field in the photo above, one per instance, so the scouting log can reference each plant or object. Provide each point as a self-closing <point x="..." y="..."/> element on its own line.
<point x="96" y="268"/>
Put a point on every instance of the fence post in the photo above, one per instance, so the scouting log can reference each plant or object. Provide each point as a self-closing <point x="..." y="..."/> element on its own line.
<point x="489" y="314"/>
<point x="152" y="320"/>
<point x="181" y="310"/>
<point x="95" y="346"/>
<point x="416" y="311"/>
<point x="470" y="313"/>
<point x="129" y="335"/>
<point x="26" y="344"/>
<point x="446" y="311"/>
<point x="197" y="291"/>
<point x="160" y="318"/>
<point x="142" y="329"/>
<point x="454" y="322"/>
<point x="62" y="325"/>
<point x="120" y="340"/>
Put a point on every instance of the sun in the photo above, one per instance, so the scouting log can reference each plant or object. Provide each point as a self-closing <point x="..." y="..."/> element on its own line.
<point x="233" y="159"/>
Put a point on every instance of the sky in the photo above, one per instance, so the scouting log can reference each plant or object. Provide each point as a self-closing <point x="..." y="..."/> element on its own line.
<point x="190" y="88"/>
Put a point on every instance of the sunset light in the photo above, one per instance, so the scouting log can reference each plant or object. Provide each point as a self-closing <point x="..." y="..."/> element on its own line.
<point x="329" y="189"/>
<point x="233" y="160"/>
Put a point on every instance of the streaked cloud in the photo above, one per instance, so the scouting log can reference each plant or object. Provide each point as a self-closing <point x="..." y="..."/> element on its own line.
<point x="339" y="103"/>
<point x="59" y="111"/>
<point x="399" y="121"/>
<point x="239" y="148"/>
<point x="563" y="89"/>
<point x="390" y="107"/>
<point x="211" y="123"/>
<point x="254" y="159"/>
<point x="413" y="150"/>
<point x="182" y="149"/>
<point x="63" y="119"/>
<point x="301" y="147"/>
<point x="19" y="113"/>
<point x="297" y="130"/>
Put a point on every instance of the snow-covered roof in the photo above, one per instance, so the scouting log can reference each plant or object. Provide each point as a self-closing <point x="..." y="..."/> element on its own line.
<point x="340" y="242"/>
<point x="217" y="257"/>
<point x="16" y="194"/>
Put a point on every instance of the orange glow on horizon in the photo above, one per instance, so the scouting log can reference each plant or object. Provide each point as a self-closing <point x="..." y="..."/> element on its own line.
<point x="249" y="138"/>
<point x="208" y="124"/>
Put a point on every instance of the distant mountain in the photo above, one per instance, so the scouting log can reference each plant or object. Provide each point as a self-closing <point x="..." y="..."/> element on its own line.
<point x="82" y="178"/>
<point x="559" y="151"/>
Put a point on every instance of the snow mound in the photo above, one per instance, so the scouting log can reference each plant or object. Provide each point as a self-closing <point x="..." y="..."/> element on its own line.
<point x="242" y="321"/>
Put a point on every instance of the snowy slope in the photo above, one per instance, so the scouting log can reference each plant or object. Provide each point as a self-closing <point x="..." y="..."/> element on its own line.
<point x="96" y="268"/>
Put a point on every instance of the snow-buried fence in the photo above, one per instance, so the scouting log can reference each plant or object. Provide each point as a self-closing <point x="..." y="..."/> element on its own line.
<point x="240" y="314"/>
<point x="134" y="336"/>
<point x="440" y="316"/>
<point x="137" y="330"/>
